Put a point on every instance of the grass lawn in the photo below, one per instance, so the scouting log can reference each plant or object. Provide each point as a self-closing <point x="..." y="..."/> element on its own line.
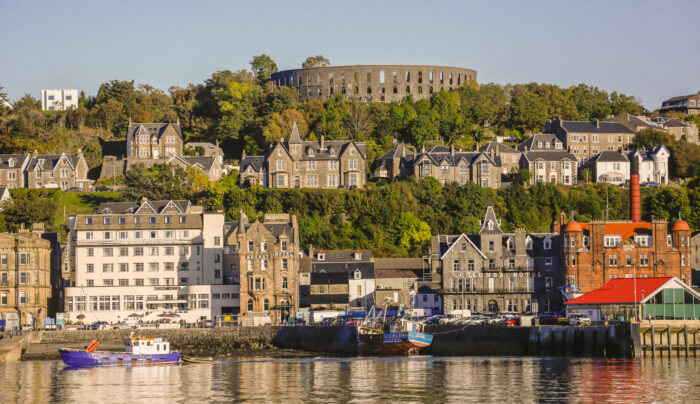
<point x="74" y="203"/>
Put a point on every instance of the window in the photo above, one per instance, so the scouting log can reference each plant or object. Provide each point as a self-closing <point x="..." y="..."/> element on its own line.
<point x="108" y="267"/>
<point x="184" y="266"/>
<point x="644" y="260"/>
<point x="152" y="220"/>
<point x="169" y="266"/>
<point x="138" y="267"/>
<point x="251" y="246"/>
<point x="153" y="266"/>
<point x="456" y="265"/>
<point x="123" y="251"/>
<point x="89" y="282"/>
<point x="612" y="241"/>
<point x="23" y="259"/>
<point x="138" y="251"/>
<point x="88" y="220"/>
<point x="107" y="220"/>
<point x="107" y="252"/>
<point x="153" y="251"/>
<point x="612" y="260"/>
<point x="470" y="265"/>
<point x="264" y="265"/>
<point x="491" y="244"/>
<point x="107" y="235"/>
<point x="547" y="243"/>
<point x="108" y="282"/>
<point x="123" y="267"/>
<point x="628" y="260"/>
<point x="137" y="220"/>
<point x="285" y="264"/>
<point x="90" y="252"/>
<point x="250" y="265"/>
<point x="23" y="298"/>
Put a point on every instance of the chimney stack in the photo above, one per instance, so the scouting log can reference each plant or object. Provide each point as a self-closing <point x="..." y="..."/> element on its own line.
<point x="635" y="209"/>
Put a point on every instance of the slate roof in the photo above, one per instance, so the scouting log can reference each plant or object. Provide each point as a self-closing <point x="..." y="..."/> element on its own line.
<point x="347" y="269"/>
<point x="400" y="263"/>
<point x="590" y="127"/>
<point x="277" y="229"/>
<point x="396" y="152"/>
<point x="4" y="158"/>
<point x="549" y="155"/>
<point x="679" y="98"/>
<point x="152" y="128"/>
<point x="647" y="155"/>
<point x="675" y="122"/>
<point x="342" y="255"/>
<point x="499" y="147"/>
<point x="531" y="143"/>
<point x="132" y="207"/>
<point x="609" y="156"/>
<point x="438" y="157"/>
<point x="397" y="273"/>
<point x="537" y="250"/>
<point x="206" y="162"/>
<point x="255" y="161"/>
<point x="50" y="161"/>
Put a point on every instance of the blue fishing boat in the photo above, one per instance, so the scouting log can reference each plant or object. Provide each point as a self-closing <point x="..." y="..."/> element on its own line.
<point x="138" y="352"/>
<point x="404" y="337"/>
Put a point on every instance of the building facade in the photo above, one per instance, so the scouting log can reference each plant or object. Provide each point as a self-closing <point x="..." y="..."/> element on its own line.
<point x="382" y="83"/>
<point x="442" y="163"/>
<point x="584" y="139"/>
<point x="547" y="160"/>
<point x="679" y="128"/>
<point x="65" y="171"/>
<point x="341" y="279"/>
<point x="264" y="258"/>
<point x="295" y="163"/>
<point x="147" y="261"/>
<point x="596" y="252"/>
<point x="59" y="100"/>
<point x="145" y="141"/>
<point x="25" y="277"/>
<point x="610" y="167"/>
<point x="685" y="104"/>
<point x="12" y="168"/>
<point x="653" y="164"/>
<point x="496" y="272"/>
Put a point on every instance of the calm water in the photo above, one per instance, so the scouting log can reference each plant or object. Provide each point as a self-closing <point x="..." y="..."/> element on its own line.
<point x="421" y="379"/>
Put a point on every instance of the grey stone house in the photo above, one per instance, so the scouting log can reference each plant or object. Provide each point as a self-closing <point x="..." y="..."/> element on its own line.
<point x="331" y="164"/>
<point x="498" y="272"/>
<point x="544" y="156"/>
<point x="584" y="139"/>
<point x="442" y="163"/>
<point x="63" y="171"/>
<point x="12" y="168"/>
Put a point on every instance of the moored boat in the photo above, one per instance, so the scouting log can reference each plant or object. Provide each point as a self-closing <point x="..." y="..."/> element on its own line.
<point x="404" y="337"/>
<point x="138" y="351"/>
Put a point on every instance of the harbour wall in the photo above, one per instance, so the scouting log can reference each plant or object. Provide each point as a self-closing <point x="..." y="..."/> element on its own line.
<point x="223" y="341"/>
<point x="612" y="341"/>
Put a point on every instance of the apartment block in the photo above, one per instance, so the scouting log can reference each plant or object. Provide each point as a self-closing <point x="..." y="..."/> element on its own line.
<point x="584" y="139"/>
<point x="146" y="261"/>
<point x="59" y="100"/>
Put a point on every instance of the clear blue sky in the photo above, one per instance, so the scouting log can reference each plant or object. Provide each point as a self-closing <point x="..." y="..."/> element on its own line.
<point x="647" y="49"/>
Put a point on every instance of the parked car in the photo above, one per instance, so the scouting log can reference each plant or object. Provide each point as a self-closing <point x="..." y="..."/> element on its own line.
<point x="548" y="319"/>
<point x="579" y="319"/>
<point x="99" y="325"/>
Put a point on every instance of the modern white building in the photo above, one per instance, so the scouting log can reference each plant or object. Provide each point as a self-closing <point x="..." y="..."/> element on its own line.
<point x="59" y="100"/>
<point x="147" y="261"/>
<point x="653" y="164"/>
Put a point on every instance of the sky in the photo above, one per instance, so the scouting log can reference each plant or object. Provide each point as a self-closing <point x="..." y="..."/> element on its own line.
<point x="648" y="49"/>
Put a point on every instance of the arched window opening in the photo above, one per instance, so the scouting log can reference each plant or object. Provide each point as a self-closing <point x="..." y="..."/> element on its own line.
<point x="330" y="79"/>
<point x="442" y="78"/>
<point x="355" y="77"/>
<point x="408" y="77"/>
<point x="420" y="77"/>
<point x="356" y="90"/>
<point x="431" y="89"/>
<point x="342" y="81"/>
<point x="250" y="304"/>
<point x="430" y="77"/>
<point x="369" y="77"/>
<point x="396" y="90"/>
<point x="369" y="90"/>
<point x="381" y="76"/>
<point x="408" y="89"/>
<point x="266" y="305"/>
<point x="420" y="89"/>
<point x="450" y="78"/>
<point x="459" y="79"/>
<point x="395" y="77"/>
<point x="343" y="90"/>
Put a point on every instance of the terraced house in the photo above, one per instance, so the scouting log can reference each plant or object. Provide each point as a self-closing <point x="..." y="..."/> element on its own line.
<point x="331" y="164"/>
<point x="584" y="139"/>
<point x="442" y="163"/>
<point x="63" y="171"/>
<point x="12" y="168"/>
<point x="547" y="160"/>
<point x="495" y="272"/>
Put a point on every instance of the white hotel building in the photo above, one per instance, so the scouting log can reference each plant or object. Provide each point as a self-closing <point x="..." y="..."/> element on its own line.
<point x="148" y="261"/>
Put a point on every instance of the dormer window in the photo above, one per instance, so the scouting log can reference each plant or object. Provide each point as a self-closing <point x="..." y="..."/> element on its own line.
<point x="586" y="241"/>
<point x="612" y="241"/>
<point x="11" y="162"/>
<point x="311" y="152"/>
<point x="510" y="244"/>
<point x="528" y="244"/>
<point x="321" y="257"/>
<point x="548" y="243"/>
<point x="357" y="274"/>
<point x="332" y="152"/>
<point x="643" y="241"/>
<point x="357" y="255"/>
<point x="490" y="225"/>
<point x="88" y="220"/>
<point x="557" y="145"/>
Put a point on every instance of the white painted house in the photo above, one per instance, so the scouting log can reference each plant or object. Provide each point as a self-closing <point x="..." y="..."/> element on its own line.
<point x="59" y="100"/>
<point x="610" y="167"/>
<point x="653" y="164"/>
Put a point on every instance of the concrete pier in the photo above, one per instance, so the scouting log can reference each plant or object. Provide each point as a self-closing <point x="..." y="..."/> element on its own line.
<point x="660" y="338"/>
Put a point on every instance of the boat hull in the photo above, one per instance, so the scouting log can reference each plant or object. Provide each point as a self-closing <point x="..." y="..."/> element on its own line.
<point x="394" y="343"/>
<point x="76" y="358"/>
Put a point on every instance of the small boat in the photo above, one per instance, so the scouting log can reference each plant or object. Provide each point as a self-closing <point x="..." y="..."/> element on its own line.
<point x="194" y="359"/>
<point x="138" y="351"/>
<point x="404" y="337"/>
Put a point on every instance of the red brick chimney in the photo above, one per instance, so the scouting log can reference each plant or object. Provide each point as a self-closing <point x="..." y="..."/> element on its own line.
<point x="635" y="209"/>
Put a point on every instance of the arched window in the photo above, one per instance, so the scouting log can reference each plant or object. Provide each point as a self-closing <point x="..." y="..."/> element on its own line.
<point x="492" y="306"/>
<point x="395" y="77"/>
<point x="442" y="79"/>
<point x="369" y="77"/>
<point x="431" y="89"/>
<point x="355" y="77"/>
<point x="420" y="77"/>
<point x="310" y="152"/>
<point x="266" y="305"/>
<point x="369" y="90"/>
<point x="342" y="81"/>
<point x="408" y="89"/>
<point x="330" y="79"/>
<point x="420" y="89"/>
<point x="396" y="90"/>
<point x="381" y="76"/>
<point x="528" y="243"/>
<point x="356" y="90"/>
<point x="459" y="79"/>
<point x="430" y="77"/>
<point x="408" y="77"/>
<point x="250" y="304"/>
<point x="331" y="90"/>
<point x="450" y="78"/>
<point x="343" y="90"/>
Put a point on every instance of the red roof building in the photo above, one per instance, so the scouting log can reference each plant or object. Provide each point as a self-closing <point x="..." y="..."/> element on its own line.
<point x="662" y="298"/>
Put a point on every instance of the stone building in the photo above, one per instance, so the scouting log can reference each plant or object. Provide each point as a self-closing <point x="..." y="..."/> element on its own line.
<point x="396" y="287"/>
<point x="383" y="83"/>
<point x="264" y="258"/>
<point x="147" y="141"/>
<point x="25" y="277"/>
<point x="695" y="257"/>
<point x="596" y="252"/>
<point x="442" y="163"/>
<point x="207" y="150"/>
<point x="495" y="272"/>
<point x="12" y="168"/>
<point x="584" y="139"/>
<point x="679" y="128"/>
<point x="331" y="164"/>
<point x="509" y="157"/>
<point x="65" y="171"/>
<point x="685" y="104"/>
<point x="545" y="157"/>
<point x="146" y="261"/>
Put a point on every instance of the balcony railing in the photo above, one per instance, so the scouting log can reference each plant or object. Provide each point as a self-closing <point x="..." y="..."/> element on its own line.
<point x="485" y="291"/>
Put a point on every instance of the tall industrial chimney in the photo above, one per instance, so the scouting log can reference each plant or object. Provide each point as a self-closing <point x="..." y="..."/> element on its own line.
<point x="635" y="209"/>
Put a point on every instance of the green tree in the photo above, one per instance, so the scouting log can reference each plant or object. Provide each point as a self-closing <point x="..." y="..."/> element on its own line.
<point x="651" y="137"/>
<point x="263" y="66"/>
<point x="27" y="210"/>
<point x="315" y="61"/>
<point x="411" y="234"/>
<point x="161" y="181"/>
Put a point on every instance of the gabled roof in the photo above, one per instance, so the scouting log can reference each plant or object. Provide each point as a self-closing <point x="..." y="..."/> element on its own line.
<point x="397" y="273"/>
<point x="549" y="155"/>
<point x="204" y="163"/>
<point x="182" y="206"/>
<point x="490" y="217"/>
<point x="342" y="255"/>
<point x="19" y="160"/>
<point x="254" y="161"/>
<point x="151" y="129"/>
<point x="680" y="98"/>
<point x="294" y="138"/>
<point x="549" y="139"/>
<point x="395" y="152"/>
<point x="456" y="240"/>
<point x="50" y="161"/>
<point x="624" y="229"/>
<point x="622" y="290"/>
<point x="498" y="147"/>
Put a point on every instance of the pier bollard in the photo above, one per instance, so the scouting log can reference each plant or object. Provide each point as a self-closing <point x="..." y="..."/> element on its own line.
<point x="653" y="344"/>
<point x="685" y="338"/>
<point x="670" y="343"/>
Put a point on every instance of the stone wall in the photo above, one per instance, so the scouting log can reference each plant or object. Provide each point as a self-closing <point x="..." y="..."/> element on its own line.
<point x="383" y="83"/>
<point x="193" y="341"/>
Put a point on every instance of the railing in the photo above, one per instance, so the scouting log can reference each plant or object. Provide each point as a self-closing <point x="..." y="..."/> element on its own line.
<point x="479" y="291"/>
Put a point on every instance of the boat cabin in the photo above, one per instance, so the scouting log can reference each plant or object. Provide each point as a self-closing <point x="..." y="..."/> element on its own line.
<point x="146" y="346"/>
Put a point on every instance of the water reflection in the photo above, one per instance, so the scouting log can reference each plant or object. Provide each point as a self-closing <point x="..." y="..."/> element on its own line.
<point x="418" y="379"/>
